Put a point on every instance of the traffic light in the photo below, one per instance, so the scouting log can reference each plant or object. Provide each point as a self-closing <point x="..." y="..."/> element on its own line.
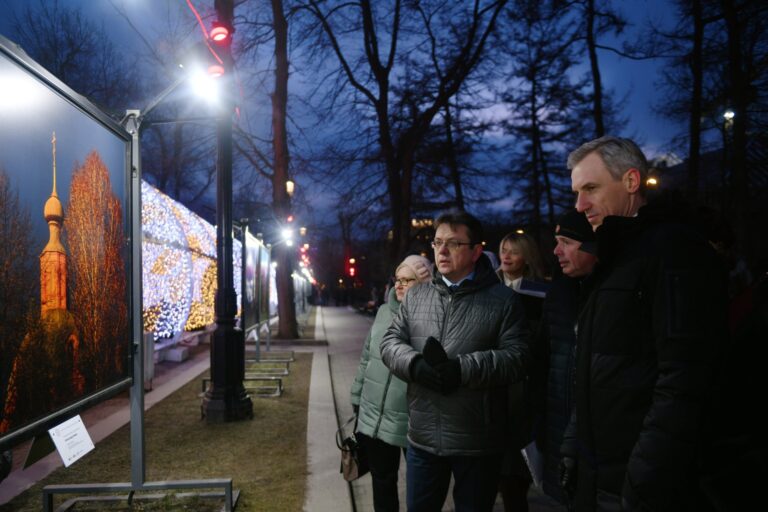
<point x="221" y="35"/>
<point x="351" y="271"/>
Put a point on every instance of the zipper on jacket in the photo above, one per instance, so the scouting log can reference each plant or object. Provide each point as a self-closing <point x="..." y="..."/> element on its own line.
<point x="381" y="406"/>
<point x="448" y="309"/>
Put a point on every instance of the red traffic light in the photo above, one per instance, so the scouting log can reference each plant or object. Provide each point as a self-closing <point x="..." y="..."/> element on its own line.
<point x="220" y="34"/>
<point x="351" y="271"/>
<point x="215" y="70"/>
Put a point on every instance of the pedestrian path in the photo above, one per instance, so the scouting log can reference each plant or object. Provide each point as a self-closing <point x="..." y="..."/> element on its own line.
<point x="346" y="329"/>
<point x="326" y="490"/>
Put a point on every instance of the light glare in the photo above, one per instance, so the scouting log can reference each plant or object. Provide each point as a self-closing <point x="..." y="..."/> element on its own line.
<point x="204" y="86"/>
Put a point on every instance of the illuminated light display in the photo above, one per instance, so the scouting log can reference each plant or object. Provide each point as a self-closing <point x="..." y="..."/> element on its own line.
<point x="179" y="266"/>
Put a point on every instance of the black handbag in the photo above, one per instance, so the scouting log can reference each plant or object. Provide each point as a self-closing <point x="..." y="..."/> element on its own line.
<point x="354" y="462"/>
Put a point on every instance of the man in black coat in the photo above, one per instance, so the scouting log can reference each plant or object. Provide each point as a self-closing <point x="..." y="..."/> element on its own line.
<point x="648" y="341"/>
<point x="555" y="348"/>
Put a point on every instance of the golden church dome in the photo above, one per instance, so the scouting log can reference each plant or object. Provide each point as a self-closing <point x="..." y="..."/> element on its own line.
<point x="53" y="210"/>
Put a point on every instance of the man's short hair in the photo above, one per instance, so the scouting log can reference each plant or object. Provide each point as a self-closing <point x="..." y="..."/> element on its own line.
<point x="457" y="217"/>
<point x="619" y="155"/>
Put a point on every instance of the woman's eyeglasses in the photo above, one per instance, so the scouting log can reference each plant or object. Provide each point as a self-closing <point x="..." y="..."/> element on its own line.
<point x="403" y="281"/>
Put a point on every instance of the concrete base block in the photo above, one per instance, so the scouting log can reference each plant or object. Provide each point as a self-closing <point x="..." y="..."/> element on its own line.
<point x="193" y="339"/>
<point x="177" y="354"/>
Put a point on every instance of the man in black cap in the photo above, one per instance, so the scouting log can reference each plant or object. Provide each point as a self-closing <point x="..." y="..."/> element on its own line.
<point x="555" y="349"/>
<point x="575" y="249"/>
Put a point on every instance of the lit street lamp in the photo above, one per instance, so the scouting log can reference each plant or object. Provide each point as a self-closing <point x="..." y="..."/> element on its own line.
<point x="226" y="399"/>
<point x="728" y="117"/>
<point x="287" y="234"/>
<point x="133" y="123"/>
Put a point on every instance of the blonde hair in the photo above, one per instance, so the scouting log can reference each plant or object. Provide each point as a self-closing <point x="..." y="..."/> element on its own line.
<point x="534" y="264"/>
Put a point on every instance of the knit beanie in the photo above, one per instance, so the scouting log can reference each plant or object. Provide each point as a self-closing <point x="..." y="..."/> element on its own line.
<point x="575" y="225"/>
<point x="420" y="266"/>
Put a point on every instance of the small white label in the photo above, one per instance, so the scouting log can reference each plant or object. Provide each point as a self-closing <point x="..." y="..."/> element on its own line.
<point x="71" y="439"/>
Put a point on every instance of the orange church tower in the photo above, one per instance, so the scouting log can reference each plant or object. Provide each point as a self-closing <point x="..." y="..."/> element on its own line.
<point x="53" y="260"/>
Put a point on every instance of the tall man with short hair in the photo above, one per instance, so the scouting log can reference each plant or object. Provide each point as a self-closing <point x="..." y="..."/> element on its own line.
<point x="458" y="341"/>
<point x="648" y="338"/>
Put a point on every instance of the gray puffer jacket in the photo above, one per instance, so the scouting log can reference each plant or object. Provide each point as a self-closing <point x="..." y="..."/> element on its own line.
<point x="482" y="324"/>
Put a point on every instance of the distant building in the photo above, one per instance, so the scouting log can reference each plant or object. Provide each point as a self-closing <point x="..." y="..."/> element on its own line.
<point x="714" y="174"/>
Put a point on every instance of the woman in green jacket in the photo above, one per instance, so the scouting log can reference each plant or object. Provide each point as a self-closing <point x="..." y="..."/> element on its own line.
<point x="378" y="397"/>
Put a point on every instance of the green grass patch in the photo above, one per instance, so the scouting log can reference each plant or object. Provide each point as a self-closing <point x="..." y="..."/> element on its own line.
<point x="265" y="457"/>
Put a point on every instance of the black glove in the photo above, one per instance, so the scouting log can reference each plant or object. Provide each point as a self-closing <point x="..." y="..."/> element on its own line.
<point x="433" y="352"/>
<point x="450" y="373"/>
<point x="355" y="408"/>
<point x="425" y="375"/>
<point x="568" y="476"/>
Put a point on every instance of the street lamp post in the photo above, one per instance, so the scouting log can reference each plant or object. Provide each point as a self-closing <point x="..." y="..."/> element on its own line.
<point x="727" y="169"/>
<point x="226" y="399"/>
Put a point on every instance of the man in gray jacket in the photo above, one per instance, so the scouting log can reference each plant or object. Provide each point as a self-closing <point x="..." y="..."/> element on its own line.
<point x="458" y="341"/>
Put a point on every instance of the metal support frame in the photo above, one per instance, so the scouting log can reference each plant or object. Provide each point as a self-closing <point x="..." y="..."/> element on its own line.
<point x="230" y="496"/>
<point x="132" y="123"/>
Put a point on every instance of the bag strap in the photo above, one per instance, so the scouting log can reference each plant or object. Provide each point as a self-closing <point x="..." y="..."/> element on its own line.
<point x="340" y="433"/>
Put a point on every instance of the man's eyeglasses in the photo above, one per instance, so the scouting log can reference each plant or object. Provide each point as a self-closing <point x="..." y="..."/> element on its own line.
<point x="452" y="245"/>
<point x="404" y="281"/>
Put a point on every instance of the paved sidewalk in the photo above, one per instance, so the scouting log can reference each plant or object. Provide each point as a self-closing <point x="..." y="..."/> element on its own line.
<point x="326" y="490"/>
<point x="346" y="329"/>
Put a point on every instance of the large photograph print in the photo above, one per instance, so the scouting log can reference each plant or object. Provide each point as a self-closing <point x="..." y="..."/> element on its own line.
<point x="64" y="288"/>
<point x="250" y="295"/>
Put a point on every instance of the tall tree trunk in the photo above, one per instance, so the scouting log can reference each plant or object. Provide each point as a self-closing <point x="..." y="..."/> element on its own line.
<point x="738" y="94"/>
<point x="406" y="197"/>
<point x="396" y="207"/>
<point x="453" y="165"/>
<point x="694" y="126"/>
<point x="287" y="327"/>
<point x="547" y="186"/>
<point x="536" y="160"/>
<point x="597" y="85"/>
